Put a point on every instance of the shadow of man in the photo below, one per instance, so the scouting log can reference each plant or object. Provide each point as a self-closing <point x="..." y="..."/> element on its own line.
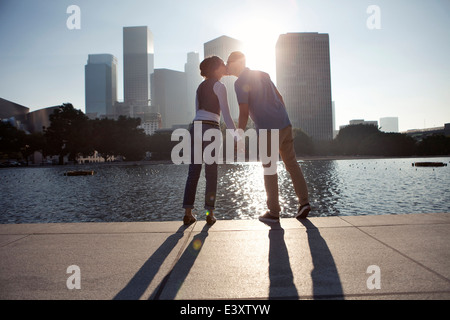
<point x="181" y="269"/>
<point x="142" y="279"/>
<point x="325" y="277"/>
<point x="280" y="273"/>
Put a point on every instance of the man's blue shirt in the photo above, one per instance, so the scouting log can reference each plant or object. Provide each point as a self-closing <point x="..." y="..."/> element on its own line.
<point x="266" y="109"/>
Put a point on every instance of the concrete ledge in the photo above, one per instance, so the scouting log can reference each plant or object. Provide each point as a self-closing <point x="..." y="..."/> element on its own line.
<point x="319" y="258"/>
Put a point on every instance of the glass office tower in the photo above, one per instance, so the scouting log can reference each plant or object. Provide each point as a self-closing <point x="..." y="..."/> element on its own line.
<point x="100" y="85"/>
<point x="138" y="65"/>
<point x="304" y="80"/>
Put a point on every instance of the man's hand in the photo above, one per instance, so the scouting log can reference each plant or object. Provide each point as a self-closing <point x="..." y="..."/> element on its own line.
<point x="243" y="116"/>
<point x="239" y="143"/>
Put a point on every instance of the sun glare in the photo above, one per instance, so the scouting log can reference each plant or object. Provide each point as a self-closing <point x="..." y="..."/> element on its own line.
<point x="259" y="37"/>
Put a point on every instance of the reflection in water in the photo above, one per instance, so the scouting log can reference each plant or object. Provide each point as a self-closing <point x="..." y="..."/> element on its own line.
<point x="241" y="190"/>
<point x="243" y="184"/>
<point x="155" y="192"/>
<point x="323" y="187"/>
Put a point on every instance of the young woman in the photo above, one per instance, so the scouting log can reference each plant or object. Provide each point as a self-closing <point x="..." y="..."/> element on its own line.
<point x="211" y="100"/>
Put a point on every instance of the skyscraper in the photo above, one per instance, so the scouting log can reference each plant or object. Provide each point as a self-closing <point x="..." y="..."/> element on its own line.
<point x="138" y="65"/>
<point x="193" y="79"/>
<point x="100" y="84"/>
<point x="169" y="88"/>
<point x="222" y="47"/>
<point x="304" y="80"/>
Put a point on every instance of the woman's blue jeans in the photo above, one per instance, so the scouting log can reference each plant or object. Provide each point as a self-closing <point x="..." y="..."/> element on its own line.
<point x="194" y="174"/>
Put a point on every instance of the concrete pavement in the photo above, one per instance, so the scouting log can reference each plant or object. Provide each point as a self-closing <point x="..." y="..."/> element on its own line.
<point x="354" y="257"/>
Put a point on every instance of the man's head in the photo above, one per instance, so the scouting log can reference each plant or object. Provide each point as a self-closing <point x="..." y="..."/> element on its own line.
<point x="236" y="63"/>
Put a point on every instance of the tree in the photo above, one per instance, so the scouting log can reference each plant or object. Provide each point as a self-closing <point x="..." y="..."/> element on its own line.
<point x="131" y="141"/>
<point x="68" y="134"/>
<point x="105" y="138"/>
<point x="17" y="144"/>
<point x="160" y="145"/>
<point x="11" y="141"/>
<point x="349" y="138"/>
<point x="434" y="145"/>
<point x="388" y="144"/>
<point x="303" y="144"/>
<point x="31" y="143"/>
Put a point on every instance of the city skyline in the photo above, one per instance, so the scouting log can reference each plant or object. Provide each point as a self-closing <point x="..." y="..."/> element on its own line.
<point x="399" y="70"/>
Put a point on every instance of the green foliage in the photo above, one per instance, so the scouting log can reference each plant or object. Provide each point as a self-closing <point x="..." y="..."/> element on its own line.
<point x="434" y="145"/>
<point x="112" y="138"/>
<point x="15" y="144"/>
<point x="131" y="141"/>
<point x="72" y="134"/>
<point x="105" y="135"/>
<point x="68" y="133"/>
<point x="349" y="140"/>
<point x="367" y="140"/>
<point x="303" y="144"/>
<point x="387" y="144"/>
<point x="161" y="146"/>
<point x="10" y="138"/>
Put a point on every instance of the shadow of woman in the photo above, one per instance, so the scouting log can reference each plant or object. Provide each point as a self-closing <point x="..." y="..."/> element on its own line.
<point x="280" y="273"/>
<point x="181" y="269"/>
<point x="325" y="277"/>
<point x="142" y="279"/>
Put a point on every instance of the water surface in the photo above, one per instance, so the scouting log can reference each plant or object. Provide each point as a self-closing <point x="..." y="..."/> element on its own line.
<point x="155" y="192"/>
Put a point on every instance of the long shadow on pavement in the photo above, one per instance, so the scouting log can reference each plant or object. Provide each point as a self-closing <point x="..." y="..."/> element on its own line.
<point x="325" y="277"/>
<point x="280" y="273"/>
<point x="142" y="279"/>
<point x="181" y="269"/>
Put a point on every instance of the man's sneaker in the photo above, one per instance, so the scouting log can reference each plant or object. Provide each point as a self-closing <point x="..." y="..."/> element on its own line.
<point x="268" y="218"/>
<point x="303" y="211"/>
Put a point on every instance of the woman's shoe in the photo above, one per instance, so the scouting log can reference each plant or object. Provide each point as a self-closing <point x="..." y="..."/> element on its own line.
<point x="210" y="219"/>
<point x="187" y="220"/>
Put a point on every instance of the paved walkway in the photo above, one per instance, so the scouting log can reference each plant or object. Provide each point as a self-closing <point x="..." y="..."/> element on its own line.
<point x="367" y="257"/>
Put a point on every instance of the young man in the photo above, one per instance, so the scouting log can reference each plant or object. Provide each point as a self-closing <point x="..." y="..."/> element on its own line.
<point x="259" y="98"/>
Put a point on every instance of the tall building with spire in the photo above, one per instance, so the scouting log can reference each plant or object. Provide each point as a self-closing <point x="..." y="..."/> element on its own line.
<point x="138" y="65"/>
<point x="222" y="47"/>
<point x="304" y="80"/>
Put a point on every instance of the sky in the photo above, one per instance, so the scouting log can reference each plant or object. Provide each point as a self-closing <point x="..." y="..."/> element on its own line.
<point x="400" y="69"/>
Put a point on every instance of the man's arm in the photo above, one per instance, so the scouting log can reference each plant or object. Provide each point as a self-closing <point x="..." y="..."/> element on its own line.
<point x="243" y="116"/>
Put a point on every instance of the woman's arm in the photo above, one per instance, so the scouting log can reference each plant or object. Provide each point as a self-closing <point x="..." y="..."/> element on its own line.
<point x="221" y="91"/>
